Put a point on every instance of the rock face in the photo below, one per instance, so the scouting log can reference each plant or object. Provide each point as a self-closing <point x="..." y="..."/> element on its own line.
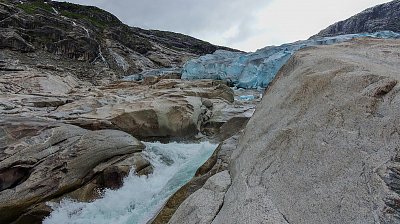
<point x="91" y="43"/>
<point x="378" y="18"/>
<point x="41" y="160"/>
<point x="323" y="145"/>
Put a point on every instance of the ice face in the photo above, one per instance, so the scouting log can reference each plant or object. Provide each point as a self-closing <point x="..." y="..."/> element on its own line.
<point x="258" y="69"/>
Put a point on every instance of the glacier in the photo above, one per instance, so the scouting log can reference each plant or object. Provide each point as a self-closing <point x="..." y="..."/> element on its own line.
<point x="258" y="69"/>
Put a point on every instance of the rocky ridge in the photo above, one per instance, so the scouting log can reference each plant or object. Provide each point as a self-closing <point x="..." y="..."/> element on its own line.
<point x="379" y="18"/>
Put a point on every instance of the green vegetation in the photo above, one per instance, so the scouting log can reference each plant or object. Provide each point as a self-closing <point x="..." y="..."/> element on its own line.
<point x="91" y="14"/>
<point x="31" y="7"/>
<point x="98" y="23"/>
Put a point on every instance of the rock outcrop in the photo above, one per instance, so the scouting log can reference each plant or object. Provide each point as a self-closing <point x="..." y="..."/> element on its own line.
<point x="42" y="160"/>
<point x="378" y="18"/>
<point x="323" y="145"/>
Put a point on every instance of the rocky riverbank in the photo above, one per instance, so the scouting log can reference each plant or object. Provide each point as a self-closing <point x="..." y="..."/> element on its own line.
<point x="64" y="137"/>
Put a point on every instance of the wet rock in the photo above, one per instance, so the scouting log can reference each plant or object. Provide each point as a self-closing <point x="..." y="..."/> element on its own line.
<point x="203" y="205"/>
<point x="217" y="163"/>
<point x="207" y="103"/>
<point x="231" y="128"/>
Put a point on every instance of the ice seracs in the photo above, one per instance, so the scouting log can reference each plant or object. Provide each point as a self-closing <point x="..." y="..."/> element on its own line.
<point x="252" y="70"/>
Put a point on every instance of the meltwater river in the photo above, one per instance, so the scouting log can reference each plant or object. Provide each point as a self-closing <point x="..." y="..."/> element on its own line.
<point x="140" y="197"/>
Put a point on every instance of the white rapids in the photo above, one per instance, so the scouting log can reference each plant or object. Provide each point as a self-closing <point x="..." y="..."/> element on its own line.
<point x="140" y="197"/>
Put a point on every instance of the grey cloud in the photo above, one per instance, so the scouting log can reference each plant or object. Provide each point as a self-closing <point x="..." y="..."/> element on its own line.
<point x="185" y="16"/>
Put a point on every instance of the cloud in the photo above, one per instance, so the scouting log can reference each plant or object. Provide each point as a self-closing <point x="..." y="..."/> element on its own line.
<point x="285" y="21"/>
<point x="217" y="18"/>
<point x="246" y="25"/>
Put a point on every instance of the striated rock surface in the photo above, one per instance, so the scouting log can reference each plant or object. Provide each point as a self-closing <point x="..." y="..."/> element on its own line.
<point x="382" y="17"/>
<point x="323" y="145"/>
<point x="41" y="160"/>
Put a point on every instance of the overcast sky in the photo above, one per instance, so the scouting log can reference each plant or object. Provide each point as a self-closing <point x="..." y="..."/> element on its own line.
<point x="242" y="24"/>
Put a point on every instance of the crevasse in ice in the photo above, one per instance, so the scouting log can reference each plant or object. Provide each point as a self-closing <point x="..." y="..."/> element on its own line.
<point x="252" y="70"/>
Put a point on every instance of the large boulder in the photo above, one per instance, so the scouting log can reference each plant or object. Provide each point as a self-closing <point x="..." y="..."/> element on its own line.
<point x="323" y="145"/>
<point x="42" y="160"/>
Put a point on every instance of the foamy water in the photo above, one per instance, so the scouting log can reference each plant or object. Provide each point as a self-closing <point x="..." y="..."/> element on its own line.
<point x="140" y="197"/>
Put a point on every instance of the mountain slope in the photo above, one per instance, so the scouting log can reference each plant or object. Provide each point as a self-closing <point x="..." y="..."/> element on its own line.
<point x="65" y="34"/>
<point x="381" y="17"/>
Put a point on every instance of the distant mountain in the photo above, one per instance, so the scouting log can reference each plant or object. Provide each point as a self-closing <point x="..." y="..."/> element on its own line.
<point x="382" y="17"/>
<point x="49" y="32"/>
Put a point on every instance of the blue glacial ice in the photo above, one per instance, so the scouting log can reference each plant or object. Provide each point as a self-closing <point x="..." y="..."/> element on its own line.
<point x="257" y="69"/>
